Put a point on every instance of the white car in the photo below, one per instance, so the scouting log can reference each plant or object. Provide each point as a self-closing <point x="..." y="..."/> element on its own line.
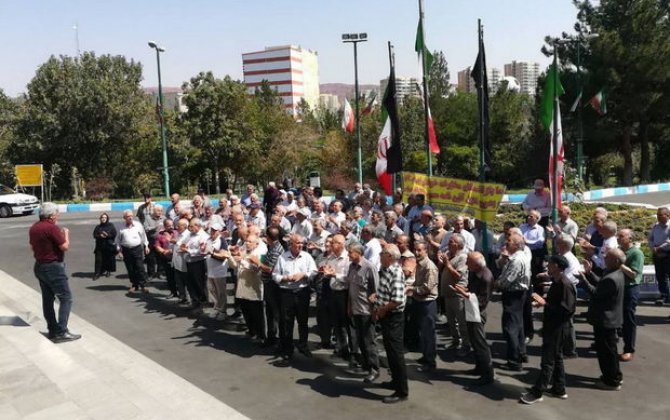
<point x="12" y="202"/>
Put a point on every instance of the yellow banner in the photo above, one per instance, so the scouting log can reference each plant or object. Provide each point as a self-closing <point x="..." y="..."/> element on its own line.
<point x="455" y="196"/>
<point x="28" y="175"/>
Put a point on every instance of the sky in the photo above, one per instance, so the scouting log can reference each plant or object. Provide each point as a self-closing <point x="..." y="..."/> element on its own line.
<point x="202" y="35"/>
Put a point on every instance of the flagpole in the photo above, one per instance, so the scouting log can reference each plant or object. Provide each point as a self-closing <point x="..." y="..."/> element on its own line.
<point x="425" y="92"/>
<point x="482" y="133"/>
<point x="394" y="178"/>
<point x="554" y="141"/>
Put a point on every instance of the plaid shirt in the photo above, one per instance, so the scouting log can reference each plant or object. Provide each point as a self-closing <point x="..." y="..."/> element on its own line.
<point x="391" y="287"/>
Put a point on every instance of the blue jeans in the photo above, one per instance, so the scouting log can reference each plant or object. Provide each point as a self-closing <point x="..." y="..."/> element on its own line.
<point x="54" y="284"/>
<point x="426" y="314"/>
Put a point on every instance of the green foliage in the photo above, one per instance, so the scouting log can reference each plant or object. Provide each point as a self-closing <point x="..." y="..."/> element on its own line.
<point x="605" y="166"/>
<point x="8" y="114"/>
<point x="90" y="113"/>
<point x="439" y="85"/>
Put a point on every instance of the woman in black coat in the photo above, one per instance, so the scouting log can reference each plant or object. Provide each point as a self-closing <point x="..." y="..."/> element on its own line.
<point x="105" y="248"/>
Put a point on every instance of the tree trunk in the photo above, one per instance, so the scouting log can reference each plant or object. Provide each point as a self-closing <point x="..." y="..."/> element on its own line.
<point x="645" y="169"/>
<point x="217" y="183"/>
<point x="627" y="152"/>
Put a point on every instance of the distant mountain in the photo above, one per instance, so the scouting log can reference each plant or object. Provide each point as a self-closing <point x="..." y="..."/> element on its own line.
<point x="343" y="89"/>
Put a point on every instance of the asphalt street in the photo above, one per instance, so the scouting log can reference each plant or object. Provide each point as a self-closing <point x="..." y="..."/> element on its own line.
<point x="221" y="361"/>
<point x="654" y="199"/>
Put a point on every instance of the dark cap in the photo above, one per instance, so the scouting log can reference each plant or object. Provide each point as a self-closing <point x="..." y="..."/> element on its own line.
<point x="560" y="261"/>
<point x="146" y="194"/>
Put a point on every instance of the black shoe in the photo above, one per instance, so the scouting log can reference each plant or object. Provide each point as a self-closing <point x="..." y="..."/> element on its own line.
<point x="427" y="368"/>
<point x="422" y="360"/>
<point x="514" y="367"/>
<point x="463" y="351"/>
<point x="394" y="398"/>
<point x="66" y="336"/>
<point x="107" y="274"/>
<point x="530" y="398"/>
<point x="95" y="277"/>
<point x="660" y="302"/>
<point x="557" y="394"/>
<point x="236" y="315"/>
<point x="373" y="376"/>
<point x="269" y="342"/>
<point x="524" y="358"/>
<point x="485" y="380"/>
<point x="305" y="351"/>
<point x="285" y="361"/>
<point x="387" y="385"/>
<point x="571" y="356"/>
<point x="472" y="372"/>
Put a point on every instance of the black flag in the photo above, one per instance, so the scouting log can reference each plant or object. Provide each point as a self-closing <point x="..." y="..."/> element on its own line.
<point x="481" y="82"/>
<point x="394" y="152"/>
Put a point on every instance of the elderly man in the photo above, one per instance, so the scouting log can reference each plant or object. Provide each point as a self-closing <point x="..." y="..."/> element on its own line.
<point x="539" y="199"/>
<point x="632" y="270"/>
<point x="392" y="230"/>
<point x="558" y="309"/>
<point x="210" y="218"/>
<point x="152" y="225"/>
<point x="316" y="243"/>
<point x="533" y="235"/>
<point x="246" y="197"/>
<point x="401" y="221"/>
<point x="455" y="272"/>
<point x="146" y="208"/>
<point x="172" y="212"/>
<point x="134" y="246"/>
<point x="424" y="293"/>
<point x="372" y="246"/>
<point x="249" y="290"/>
<point x="606" y="315"/>
<point x="256" y="216"/>
<point x="335" y="268"/>
<point x="659" y="243"/>
<point x="194" y="246"/>
<point x="292" y="273"/>
<point x="179" y="260"/>
<point x="303" y="224"/>
<point x="608" y="231"/>
<point x="217" y="271"/>
<point x="271" y="295"/>
<point x="363" y="280"/>
<point x="49" y="244"/>
<point x="388" y="311"/>
<point x="458" y="224"/>
<point x="480" y="282"/>
<point x="163" y="246"/>
<point x="514" y="283"/>
<point x="564" y="224"/>
<point x="375" y="224"/>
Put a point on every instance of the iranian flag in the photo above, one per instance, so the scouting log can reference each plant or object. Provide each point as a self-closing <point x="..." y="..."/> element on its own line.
<point x="598" y="103"/>
<point x="348" y="117"/>
<point x="389" y="152"/>
<point x="426" y="58"/>
<point x="551" y="111"/>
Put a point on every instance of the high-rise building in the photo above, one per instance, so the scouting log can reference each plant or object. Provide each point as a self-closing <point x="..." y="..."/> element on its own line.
<point x="329" y="102"/>
<point x="292" y="70"/>
<point x="404" y="86"/>
<point x="467" y="84"/>
<point x="526" y="73"/>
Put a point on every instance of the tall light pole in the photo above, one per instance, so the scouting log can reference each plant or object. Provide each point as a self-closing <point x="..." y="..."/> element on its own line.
<point x="355" y="39"/>
<point x="166" y="173"/>
<point x="580" y="127"/>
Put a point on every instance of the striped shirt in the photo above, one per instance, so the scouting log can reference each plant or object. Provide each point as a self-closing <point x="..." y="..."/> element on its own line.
<point x="391" y="287"/>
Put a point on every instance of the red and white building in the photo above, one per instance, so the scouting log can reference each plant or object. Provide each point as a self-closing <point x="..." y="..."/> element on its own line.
<point x="292" y="70"/>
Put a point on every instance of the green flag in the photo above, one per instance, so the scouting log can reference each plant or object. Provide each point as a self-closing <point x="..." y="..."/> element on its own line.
<point x="552" y="88"/>
<point x="420" y="48"/>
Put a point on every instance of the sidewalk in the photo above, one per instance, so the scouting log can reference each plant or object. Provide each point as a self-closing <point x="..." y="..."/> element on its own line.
<point x="97" y="377"/>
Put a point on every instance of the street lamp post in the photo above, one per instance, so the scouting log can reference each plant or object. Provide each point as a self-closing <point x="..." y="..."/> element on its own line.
<point x="580" y="127"/>
<point x="166" y="173"/>
<point x="355" y="39"/>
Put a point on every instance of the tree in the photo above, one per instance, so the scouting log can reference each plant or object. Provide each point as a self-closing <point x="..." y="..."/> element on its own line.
<point x="8" y="114"/>
<point x="632" y="62"/>
<point x="439" y="85"/>
<point x="88" y="113"/>
<point x="220" y="123"/>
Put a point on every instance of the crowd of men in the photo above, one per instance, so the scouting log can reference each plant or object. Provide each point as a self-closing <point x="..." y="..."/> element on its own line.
<point x="397" y="268"/>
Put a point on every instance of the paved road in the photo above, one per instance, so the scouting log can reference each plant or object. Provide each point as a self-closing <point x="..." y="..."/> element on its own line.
<point x="654" y="199"/>
<point x="224" y="364"/>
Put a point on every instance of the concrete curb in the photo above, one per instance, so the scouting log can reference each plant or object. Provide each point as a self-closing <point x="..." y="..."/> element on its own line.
<point x="506" y="199"/>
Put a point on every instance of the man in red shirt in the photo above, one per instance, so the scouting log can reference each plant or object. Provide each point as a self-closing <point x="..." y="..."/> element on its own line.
<point x="49" y="242"/>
